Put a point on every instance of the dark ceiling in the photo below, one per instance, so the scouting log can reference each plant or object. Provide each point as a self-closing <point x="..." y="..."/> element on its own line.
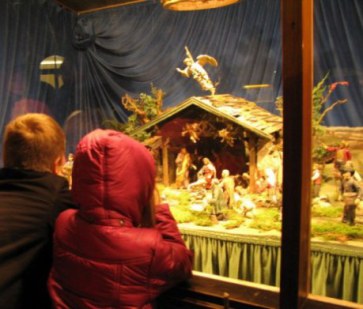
<point x="87" y="6"/>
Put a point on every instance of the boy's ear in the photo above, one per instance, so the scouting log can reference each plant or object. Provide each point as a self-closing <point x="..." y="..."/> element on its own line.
<point x="58" y="164"/>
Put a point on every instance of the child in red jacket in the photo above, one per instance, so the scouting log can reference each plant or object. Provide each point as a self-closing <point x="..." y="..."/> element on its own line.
<point x="122" y="248"/>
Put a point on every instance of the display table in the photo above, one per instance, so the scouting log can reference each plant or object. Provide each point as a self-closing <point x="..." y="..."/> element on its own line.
<point x="336" y="269"/>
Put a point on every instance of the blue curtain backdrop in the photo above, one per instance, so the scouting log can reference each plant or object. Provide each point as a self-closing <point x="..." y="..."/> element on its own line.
<point x="125" y="50"/>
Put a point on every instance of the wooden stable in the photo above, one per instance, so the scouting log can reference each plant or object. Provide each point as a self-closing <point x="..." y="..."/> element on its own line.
<point x="232" y="128"/>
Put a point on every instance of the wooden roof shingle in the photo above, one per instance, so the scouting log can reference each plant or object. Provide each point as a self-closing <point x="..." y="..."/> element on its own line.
<point x="238" y="110"/>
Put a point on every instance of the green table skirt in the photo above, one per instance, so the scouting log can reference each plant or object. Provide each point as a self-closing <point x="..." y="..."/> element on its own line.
<point x="336" y="269"/>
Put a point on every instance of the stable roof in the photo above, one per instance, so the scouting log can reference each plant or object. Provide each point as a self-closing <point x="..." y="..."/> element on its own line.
<point x="240" y="111"/>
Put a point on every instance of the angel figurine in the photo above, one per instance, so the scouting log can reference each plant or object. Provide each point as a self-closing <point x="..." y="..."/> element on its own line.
<point x="196" y="70"/>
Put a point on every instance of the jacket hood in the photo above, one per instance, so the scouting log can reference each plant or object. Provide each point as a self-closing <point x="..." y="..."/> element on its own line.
<point x="113" y="177"/>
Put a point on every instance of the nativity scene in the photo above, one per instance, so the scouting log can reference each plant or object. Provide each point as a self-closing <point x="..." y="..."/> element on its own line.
<point x="219" y="157"/>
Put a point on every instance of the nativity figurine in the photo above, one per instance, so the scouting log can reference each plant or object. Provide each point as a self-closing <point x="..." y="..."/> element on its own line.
<point x="195" y="69"/>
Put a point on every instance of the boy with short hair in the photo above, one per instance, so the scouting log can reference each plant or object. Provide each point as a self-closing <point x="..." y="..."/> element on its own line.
<point x="31" y="197"/>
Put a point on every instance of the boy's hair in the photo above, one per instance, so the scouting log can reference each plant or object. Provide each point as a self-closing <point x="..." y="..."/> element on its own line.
<point x="33" y="141"/>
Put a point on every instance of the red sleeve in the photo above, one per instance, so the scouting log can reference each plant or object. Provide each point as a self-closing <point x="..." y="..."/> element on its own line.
<point x="348" y="155"/>
<point x="172" y="261"/>
<point x="167" y="225"/>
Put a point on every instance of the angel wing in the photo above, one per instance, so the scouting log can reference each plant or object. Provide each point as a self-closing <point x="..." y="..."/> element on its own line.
<point x="206" y="59"/>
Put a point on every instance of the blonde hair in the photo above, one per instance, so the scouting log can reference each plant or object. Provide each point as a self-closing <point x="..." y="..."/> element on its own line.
<point x="148" y="215"/>
<point x="33" y="141"/>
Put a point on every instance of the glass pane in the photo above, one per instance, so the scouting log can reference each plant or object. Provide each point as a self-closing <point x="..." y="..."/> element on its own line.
<point x="337" y="211"/>
<point x="200" y="88"/>
<point x="219" y="150"/>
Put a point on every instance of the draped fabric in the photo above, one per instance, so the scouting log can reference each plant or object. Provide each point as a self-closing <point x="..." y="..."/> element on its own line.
<point x="125" y="50"/>
<point x="338" y="44"/>
<point x="337" y="272"/>
<point x="30" y="31"/>
<point x="252" y="259"/>
<point x="336" y="269"/>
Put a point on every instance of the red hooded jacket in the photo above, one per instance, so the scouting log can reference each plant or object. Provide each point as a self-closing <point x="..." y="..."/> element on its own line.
<point x="102" y="257"/>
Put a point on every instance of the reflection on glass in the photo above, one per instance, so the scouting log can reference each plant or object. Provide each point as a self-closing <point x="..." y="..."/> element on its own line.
<point x="50" y="71"/>
<point x="337" y="210"/>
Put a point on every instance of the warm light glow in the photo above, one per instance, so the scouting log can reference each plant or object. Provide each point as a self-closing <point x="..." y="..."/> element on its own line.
<point x="256" y="86"/>
<point x="50" y="71"/>
<point x="192" y="5"/>
<point x="52" y="62"/>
